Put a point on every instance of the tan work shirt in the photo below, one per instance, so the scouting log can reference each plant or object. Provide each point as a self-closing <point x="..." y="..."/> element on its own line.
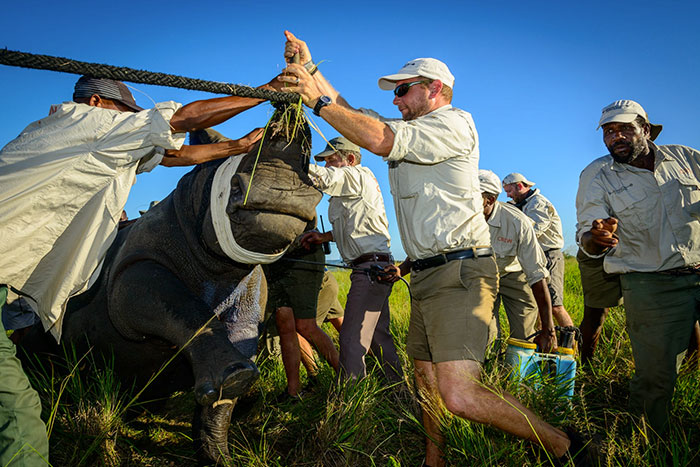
<point x="514" y="242"/>
<point x="658" y="212"/>
<point x="434" y="178"/>
<point x="356" y="209"/>
<point x="547" y="222"/>
<point x="63" y="184"/>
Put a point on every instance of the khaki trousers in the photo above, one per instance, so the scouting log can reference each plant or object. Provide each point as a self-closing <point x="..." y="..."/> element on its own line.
<point x="366" y="325"/>
<point x="519" y="303"/>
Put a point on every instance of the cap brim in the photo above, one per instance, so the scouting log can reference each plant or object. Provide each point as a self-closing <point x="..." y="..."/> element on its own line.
<point x="132" y="106"/>
<point x="388" y="82"/>
<point x="654" y="131"/>
<point x="322" y="155"/>
<point x="620" y="118"/>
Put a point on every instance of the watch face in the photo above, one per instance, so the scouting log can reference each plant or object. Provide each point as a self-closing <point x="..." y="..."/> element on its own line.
<point x="321" y="103"/>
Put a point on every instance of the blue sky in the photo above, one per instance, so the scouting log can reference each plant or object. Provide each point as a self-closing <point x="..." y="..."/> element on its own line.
<point x="534" y="75"/>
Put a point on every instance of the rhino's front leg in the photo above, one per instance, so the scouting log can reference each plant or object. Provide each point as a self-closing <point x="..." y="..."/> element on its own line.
<point x="146" y="299"/>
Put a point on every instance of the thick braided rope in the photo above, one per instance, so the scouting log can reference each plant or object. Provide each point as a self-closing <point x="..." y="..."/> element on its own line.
<point x="97" y="70"/>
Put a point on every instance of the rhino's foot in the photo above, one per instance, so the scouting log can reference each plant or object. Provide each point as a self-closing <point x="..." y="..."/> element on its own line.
<point x="238" y="378"/>
<point x="210" y="426"/>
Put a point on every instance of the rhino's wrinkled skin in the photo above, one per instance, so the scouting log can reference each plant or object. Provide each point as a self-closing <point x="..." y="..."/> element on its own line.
<point x="165" y="277"/>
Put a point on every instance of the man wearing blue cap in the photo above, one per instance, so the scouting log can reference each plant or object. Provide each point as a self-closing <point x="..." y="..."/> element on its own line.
<point x="433" y="154"/>
<point x="641" y="213"/>
<point x="64" y="182"/>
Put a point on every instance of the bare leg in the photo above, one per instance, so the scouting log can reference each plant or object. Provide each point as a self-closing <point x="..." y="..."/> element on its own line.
<point x="337" y="323"/>
<point x="324" y="345"/>
<point x="289" y="343"/>
<point x="307" y="356"/>
<point x="561" y="316"/>
<point x="591" y="327"/>
<point x="428" y="392"/>
<point x="466" y="396"/>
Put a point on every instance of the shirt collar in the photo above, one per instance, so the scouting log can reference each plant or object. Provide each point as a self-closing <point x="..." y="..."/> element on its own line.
<point x="495" y="219"/>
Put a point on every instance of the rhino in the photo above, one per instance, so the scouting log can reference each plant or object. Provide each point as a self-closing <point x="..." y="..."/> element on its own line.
<point x="183" y="278"/>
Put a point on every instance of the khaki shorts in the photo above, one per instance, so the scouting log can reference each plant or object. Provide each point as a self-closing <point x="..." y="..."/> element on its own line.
<point x="600" y="289"/>
<point x="328" y="305"/>
<point x="555" y="266"/>
<point x="451" y="310"/>
<point x="295" y="285"/>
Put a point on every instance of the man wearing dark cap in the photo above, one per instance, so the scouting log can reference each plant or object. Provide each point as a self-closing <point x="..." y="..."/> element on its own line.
<point x="63" y="184"/>
<point x="641" y="213"/>
<point x="361" y="232"/>
<point x="433" y="155"/>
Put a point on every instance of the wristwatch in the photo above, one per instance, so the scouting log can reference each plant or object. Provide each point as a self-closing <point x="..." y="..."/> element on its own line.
<point x="321" y="103"/>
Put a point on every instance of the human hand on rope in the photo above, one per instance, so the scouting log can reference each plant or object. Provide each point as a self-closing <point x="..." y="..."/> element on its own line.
<point x="295" y="46"/>
<point x="300" y="81"/>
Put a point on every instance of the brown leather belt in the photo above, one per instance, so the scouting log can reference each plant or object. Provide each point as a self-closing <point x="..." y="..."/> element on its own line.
<point x="439" y="260"/>
<point x="367" y="257"/>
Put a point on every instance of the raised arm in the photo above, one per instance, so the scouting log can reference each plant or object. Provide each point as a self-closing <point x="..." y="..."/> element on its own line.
<point x="361" y="129"/>
<point x="197" y="154"/>
<point x="210" y="112"/>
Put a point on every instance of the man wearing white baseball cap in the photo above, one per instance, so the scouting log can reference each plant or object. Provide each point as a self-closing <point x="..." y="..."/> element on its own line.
<point x="433" y="155"/>
<point x="549" y="233"/>
<point x="641" y="213"/>
<point x="522" y="267"/>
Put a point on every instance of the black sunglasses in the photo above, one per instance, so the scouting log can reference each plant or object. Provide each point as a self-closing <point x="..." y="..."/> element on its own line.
<point x="402" y="89"/>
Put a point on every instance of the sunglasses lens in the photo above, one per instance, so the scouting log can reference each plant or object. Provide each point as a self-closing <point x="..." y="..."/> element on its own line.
<point x="401" y="89"/>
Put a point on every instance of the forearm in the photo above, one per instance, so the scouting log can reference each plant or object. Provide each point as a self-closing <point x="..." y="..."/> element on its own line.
<point x="192" y="155"/>
<point x="544" y="304"/>
<point x="210" y="112"/>
<point x="363" y="130"/>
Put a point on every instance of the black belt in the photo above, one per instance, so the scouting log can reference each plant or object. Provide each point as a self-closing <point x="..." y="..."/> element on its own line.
<point x="384" y="257"/>
<point x="439" y="260"/>
<point x="685" y="271"/>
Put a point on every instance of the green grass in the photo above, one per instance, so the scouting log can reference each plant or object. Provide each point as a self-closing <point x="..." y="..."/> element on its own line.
<point x="368" y="423"/>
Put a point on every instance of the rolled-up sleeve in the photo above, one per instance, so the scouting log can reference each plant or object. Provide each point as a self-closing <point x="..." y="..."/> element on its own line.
<point x="594" y="206"/>
<point x="422" y="141"/>
<point x="135" y="135"/>
<point x="337" y="181"/>
<point x="530" y="255"/>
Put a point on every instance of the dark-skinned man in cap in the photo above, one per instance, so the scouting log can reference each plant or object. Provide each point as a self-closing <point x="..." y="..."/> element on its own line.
<point x="641" y="213"/>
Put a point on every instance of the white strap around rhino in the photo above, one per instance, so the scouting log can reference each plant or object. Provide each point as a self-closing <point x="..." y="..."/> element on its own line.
<point x="220" y="192"/>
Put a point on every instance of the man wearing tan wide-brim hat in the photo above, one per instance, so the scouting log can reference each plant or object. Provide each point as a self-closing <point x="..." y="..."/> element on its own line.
<point x="641" y="212"/>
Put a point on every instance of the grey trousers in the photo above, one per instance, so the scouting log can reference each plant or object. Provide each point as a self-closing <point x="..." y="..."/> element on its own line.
<point x="366" y="325"/>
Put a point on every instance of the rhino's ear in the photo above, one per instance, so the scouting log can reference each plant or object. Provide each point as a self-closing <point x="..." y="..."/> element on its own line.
<point x="207" y="136"/>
